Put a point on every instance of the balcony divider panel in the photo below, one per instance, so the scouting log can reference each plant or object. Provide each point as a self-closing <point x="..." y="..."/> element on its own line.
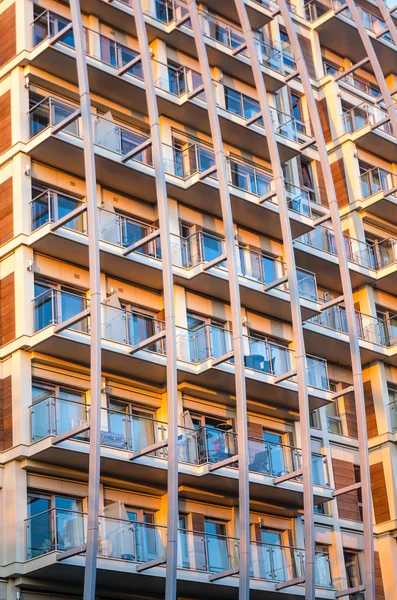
<point x="300" y="354"/>
<point x="386" y="15"/>
<point x="95" y="306"/>
<point x="234" y="290"/>
<point x="348" y="300"/>
<point x="368" y="46"/>
<point x="169" y="306"/>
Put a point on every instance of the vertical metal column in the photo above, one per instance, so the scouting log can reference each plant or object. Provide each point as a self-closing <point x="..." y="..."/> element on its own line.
<point x="348" y="300"/>
<point x="238" y="341"/>
<point x="95" y="306"/>
<point x="301" y="366"/>
<point x="367" y="43"/>
<point x="385" y="12"/>
<point x="169" y="306"/>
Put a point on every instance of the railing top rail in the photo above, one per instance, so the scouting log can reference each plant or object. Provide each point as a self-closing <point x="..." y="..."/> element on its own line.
<point x="57" y="193"/>
<point x="132" y="312"/>
<point x="54" y="509"/>
<point x="53" y="291"/>
<point x="53" y="397"/>
<point x="127" y="218"/>
<point x="269" y="343"/>
<point x="212" y="535"/>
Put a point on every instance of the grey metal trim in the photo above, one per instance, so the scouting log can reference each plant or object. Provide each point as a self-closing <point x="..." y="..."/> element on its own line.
<point x="348" y="300"/>
<point x="169" y="306"/>
<point x="300" y="355"/>
<point x="234" y="290"/>
<point x="95" y="306"/>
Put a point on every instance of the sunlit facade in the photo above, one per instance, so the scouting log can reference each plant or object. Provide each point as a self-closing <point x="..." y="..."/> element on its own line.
<point x="241" y="436"/>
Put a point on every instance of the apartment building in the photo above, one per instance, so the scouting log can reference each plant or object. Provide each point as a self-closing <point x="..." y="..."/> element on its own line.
<point x="216" y="228"/>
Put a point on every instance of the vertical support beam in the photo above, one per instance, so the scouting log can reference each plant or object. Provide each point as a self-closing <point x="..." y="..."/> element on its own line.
<point x="234" y="289"/>
<point x="369" y="49"/>
<point x="348" y="299"/>
<point x="385" y="12"/>
<point x="95" y="304"/>
<point x="300" y="354"/>
<point x="169" y="306"/>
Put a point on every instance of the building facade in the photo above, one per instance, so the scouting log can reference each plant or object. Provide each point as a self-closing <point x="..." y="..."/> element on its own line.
<point x="198" y="297"/>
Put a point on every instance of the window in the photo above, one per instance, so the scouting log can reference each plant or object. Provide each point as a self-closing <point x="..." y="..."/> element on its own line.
<point x="392" y="390"/>
<point x="218" y="545"/>
<point x="315" y="419"/>
<point x="129" y="426"/>
<point x="268" y="354"/>
<point x="55" y="523"/>
<point x="176" y="78"/>
<point x="323" y="566"/>
<point x="240" y="104"/>
<point x="297" y="112"/>
<point x="55" y="303"/>
<point x="387" y="326"/>
<point x="352" y="565"/>
<point x="288" y="57"/>
<point x="334" y="421"/>
<point x="147" y="541"/>
<point x="307" y="179"/>
<point x="207" y="338"/>
<point x="56" y="410"/>
<point x="357" y="479"/>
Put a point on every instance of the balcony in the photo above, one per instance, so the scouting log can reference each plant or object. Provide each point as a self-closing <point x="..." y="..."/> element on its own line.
<point x="329" y="16"/>
<point x="125" y="433"/>
<point x="56" y="140"/>
<point x="370" y="129"/>
<point x="250" y="188"/>
<point x="374" y="335"/>
<point x="124" y="544"/>
<point x="112" y="67"/>
<point x="237" y="110"/>
<point x="317" y="246"/>
<point x="379" y="193"/>
<point x="384" y="257"/>
<point x="133" y="345"/>
<point x="58" y="223"/>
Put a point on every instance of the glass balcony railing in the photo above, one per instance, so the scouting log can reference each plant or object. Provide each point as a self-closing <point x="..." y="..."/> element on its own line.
<point x="55" y="530"/>
<point x="371" y="329"/>
<point x="351" y="79"/>
<point x="207" y="341"/>
<point x="119" y="139"/>
<point x="59" y="530"/>
<point x="206" y="445"/>
<point x="49" y="206"/>
<point x="323" y="238"/>
<point x="97" y="45"/>
<point x="199" y="248"/>
<point x="267" y="357"/>
<point x="222" y="32"/>
<point x="314" y="9"/>
<point x="178" y="80"/>
<point x="209" y="552"/>
<point x="130" y="327"/>
<point x="317" y="372"/>
<point x="121" y="430"/>
<point x="284" y="563"/>
<point x="55" y="306"/>
<point x="168" y="11"/>
<point x="366" y="114"/>
<point x="276" y="460"/>
<point x="384" y="253"/>
<point x="376" y="180"/>
<point x="124" y="231"/>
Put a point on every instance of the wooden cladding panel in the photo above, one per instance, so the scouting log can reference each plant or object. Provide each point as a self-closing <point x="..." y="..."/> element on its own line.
<point x="379" y="493"/>
<point x="7" y="309"/>
<point x="8" y="46"/>
<point x="372" y="426"/>
<point x="324" y="118"/>
<point x="348" y="507"/>
<point x="6" y="212"/>
<point x="5" y="122"/>
<point x="379" y="589"/>
<point x="322" y="192"/>
<point x="306" y="47"/>
<point x="350" y="412"/>
<point x="339" y="177"/>
<point x="6" y="439"/>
